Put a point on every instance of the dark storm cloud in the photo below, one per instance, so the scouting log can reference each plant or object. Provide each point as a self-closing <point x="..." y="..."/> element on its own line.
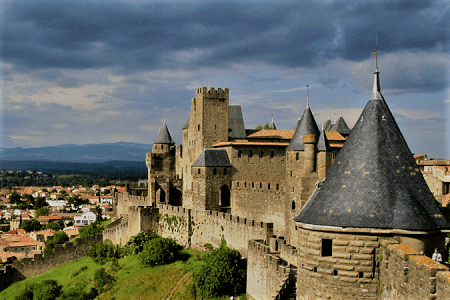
<point x="127" y="37"/>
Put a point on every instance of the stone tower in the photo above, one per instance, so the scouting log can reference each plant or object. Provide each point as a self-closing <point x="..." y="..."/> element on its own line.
<point x="207" y="125"/>
<point x="162" y="185"/>
<point x="373" y="190"/>
<point x="212" y="180"/>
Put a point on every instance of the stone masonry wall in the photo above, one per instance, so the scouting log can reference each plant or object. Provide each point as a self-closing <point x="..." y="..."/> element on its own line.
<point x="258" y="200"/>
<point x="406" y="274"/>
<point x="347" y="273"/>
<point x="267" y="274"/>
<point x="62" y="254"/>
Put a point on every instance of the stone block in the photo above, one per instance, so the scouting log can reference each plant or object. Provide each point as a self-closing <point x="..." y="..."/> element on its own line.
<point x="342" y="255"/>
<point x="362" y="256"/>
<point x="357" y="243"/>
<point x="344" y="267"/>
<point x="340" y="243"/>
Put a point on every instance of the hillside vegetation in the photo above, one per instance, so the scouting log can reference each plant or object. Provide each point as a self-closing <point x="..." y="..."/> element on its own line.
<point x="129" y="279"/>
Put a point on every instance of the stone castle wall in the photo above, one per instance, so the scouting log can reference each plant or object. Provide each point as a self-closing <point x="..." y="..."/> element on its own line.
<point x="258" y="200"/>
<point x="406" y="274"/>
<point x="17" y="270"/>
<point x="268" y="276"/>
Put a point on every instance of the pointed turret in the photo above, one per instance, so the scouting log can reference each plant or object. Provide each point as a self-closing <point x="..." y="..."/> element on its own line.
<point x="322" y="144"/>
<point x="327" y="125"/>
<point x="272" y="124"/>
<point x="306" y="126"/>
<point x="341" y="127"/>
<point x="374" y="181"/>
<point x="164" y="136"/>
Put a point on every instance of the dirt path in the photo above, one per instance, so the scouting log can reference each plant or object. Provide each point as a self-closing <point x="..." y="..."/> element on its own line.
<point x="176" y="285"/>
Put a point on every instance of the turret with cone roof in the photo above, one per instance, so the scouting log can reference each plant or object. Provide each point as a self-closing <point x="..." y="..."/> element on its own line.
<point x="340" y="126"/>
<point x="374" y="181"/>
<point x="164" y="136"/>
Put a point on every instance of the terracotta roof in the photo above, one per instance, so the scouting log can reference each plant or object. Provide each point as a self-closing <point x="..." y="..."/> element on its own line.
<point x="272" y="133"/>
<point x="245" y="143"/>
<point x="334" y="136"/>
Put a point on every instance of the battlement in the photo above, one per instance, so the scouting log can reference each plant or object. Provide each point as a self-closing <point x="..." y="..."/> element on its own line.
<point x="212" y="92"/>
<point x="272" y="187"/>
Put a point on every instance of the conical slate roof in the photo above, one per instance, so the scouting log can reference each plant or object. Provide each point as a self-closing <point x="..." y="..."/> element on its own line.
<point x="322" y="144"/>
<point x="164" y="136"/>
<point x="213" y="158"/>
<point x="327" y="125"/>
<point x="306" y="125"/>
<point x="236" y="122"/>
<point x="374" y="181"/>
<point x="341" y="127"/>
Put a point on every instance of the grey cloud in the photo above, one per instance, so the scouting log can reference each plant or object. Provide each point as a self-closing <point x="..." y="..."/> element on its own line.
<point x="52" y="34"/>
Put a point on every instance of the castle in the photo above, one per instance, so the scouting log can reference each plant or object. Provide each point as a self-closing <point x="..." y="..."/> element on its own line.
<point x="314" y="216"/>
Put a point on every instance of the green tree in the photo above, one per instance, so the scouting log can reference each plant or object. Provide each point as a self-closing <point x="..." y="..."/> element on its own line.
<point x="57" y="238"/>
<point x="44" y="290"/>
<point x="54" y="226"/>
<point x="30" y="225"/>
<point x="92" y="229"/>
<point x="159" y="251"/>
<point x="14" y="198"/>
<point x="137" y="242"/>
<point x="103" y="281"/>
<point x="22" y="206"/>
<point x="77" y="294"/>
<point x="40" y="202"/>
<point x="43" y="211"/>
<point x="258" y="127"/>
<point x="267" y="126"/>
<point x="224" y="271"/>
<point x="103" y="252"/>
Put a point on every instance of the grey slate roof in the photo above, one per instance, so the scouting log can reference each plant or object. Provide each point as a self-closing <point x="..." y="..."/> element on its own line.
<point x="341" y="127"/>
<point x="164" y="136"/>
<point x="327" y="125"/>
<point x="322" y="144"/>
<point x="374" y="181"/>
<point x="306" y="125"/>
<point x="213" y="158"/>
<point x="186" y="126"/>
<point x="236" y="122"/>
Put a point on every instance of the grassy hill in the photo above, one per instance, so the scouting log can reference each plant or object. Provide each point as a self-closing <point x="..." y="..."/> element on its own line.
<point x="172" y="281"/>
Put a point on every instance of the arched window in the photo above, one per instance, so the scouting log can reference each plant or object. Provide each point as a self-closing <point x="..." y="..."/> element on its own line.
<point x="225" y="196"/>
<point x="293" y="205"/>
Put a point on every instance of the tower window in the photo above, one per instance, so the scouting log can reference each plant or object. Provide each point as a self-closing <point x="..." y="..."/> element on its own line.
<point x="327" y="247"/>
<point x="250" y="154"/>
<point x="239" y="154"/>
<point x="296" y="156"/>
<point x="199" y="171"/>
<point x="278" y="186"/>
<point x="293" y="205"/>
<point x="290" y="174"/>
<point x="214" y="171"/>
<point x="272" y="153"/>
<point x="198" y="127"/>
<point x="268" y="186"/>
<point x="225" y="171"/>
<point x="261" y="154"/>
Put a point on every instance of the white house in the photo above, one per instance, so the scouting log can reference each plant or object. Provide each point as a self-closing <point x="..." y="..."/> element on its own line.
<point x="86" y="218"/>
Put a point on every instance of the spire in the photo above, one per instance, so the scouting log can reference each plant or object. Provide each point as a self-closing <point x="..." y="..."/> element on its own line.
<point x="164" y="136"/>
<point x="374" y="181"/>
<point x="272" y="124"/>
<point x="376" y="93"/>
<point x="307" y="97"/>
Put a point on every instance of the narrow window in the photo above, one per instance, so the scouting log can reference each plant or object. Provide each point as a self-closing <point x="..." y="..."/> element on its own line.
<point x="260" y="185"/>
<point x="361" y="275"/>
<point x="261" y="154"/>
<point x="290" y="174"/>
<point x="278" y="186"/>
<point x="198" y="171"/>
<point x="250" y="154"/>
<point x="214" y="171"/>
<point x="253" y="184"/>
<point x="272" y="154"/>
<point x="327" y="247"/>
<point x="198" y="127"/>
<point x="296" y="156"/>
<point x="239" y="153"/>
<point x="293" y="205"/>
<point x="268" y="186"/>
<point x="225" y="171"/>
<point x="335" y="272"/>
<point x="293" y="189"/>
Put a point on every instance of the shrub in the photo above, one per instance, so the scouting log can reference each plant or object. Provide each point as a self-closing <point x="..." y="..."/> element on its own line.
<point x="30" y="225"/>
<point x="102" y="280"/>
<point x="92" y="229"/>
<point x="57" y="238"/>
<point x="103" y="252"/>
<point x="136" y="244"/>
<point x="45" y="290"/>
<point x="224" y="271"/>
<point x="159" y="251"/>
<point x="77" y="294"/>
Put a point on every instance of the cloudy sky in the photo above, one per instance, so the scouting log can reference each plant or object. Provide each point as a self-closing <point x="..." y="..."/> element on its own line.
<point x="108" y="71"/>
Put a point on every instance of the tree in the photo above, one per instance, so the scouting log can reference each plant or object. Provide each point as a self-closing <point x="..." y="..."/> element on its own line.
<point x="30" y="225"/>
<point x="136" y="243"/>
<point x="224" y="271"/>
<point x="57" y="238"/>
<point x="54" y="226"/>
<point x="159" y="251"/>
<point x="40" y="202"/>
<point x="43" y="211"/>
<point x="22" y="206"/>
<point x="92" y="229"/>
<point x="103" y="252"/>
<point x="44" y="290"/>
<point x="102" y="280"/>
<point x="14" y="198"/>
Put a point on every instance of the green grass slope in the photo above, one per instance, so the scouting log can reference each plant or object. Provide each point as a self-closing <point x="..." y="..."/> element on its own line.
<point x="172" y="281"/>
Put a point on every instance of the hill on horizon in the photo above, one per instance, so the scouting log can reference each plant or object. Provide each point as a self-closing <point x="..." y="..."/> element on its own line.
<point x="88" y="153"/>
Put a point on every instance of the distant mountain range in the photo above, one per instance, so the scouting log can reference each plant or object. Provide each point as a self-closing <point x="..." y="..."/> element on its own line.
<point x="89" y="153"/>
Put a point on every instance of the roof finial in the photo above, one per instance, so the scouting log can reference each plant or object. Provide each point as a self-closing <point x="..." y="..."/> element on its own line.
<point x="341" y="113"/>
<point x="272" y="118"/>
<point x="376" y="83"/>
<point x="164" y="121"/>
<point x="307" y="97"/>
<point x="328" y="116"/>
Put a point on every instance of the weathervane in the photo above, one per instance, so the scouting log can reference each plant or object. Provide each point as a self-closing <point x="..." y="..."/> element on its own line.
<point x="375" y="53"/>
<point x="307" y="97"/>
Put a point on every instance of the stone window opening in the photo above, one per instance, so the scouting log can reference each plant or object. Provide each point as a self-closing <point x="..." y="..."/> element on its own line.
<point x="214" y="171"/>
<point x="260" y="185"/>
<point x="253" y="184"/>
<point x="290" y="174"/>
<point x="327" y="247"/>
<point x="225" y="171"/>
<point x="268" y="186"/>
<point x="293" y="189"/>
<point x="272" y="153"/>
<point x="198" y="127"/>
<point x="199" y="171"/>
<point x="296" y="156"/>
<point x="360" y="274"/>
<point x="278" y="186"/>
<point x="335" y="273"/>
<point x="239" y="154"/>
<point x="261" y="154"/>
<point x="315" y="270"/>
<point x="250" y="154"/>
<point x="293" y="205"/>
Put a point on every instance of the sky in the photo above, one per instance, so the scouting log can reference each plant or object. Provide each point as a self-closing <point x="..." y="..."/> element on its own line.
<point x="81" y="72"/>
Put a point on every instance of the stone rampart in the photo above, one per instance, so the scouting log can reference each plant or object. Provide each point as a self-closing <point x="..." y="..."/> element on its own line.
<point x="268" y="275"/>
<point x="117" y="232"/>
<point x="406" y="274"/>
<point x="17" y="270"/>
<point x="175" y="222"/>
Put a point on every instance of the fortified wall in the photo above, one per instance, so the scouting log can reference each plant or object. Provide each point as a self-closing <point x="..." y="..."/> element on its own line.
<point x="189" y="227"/>
<point x="17" y="270"/>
